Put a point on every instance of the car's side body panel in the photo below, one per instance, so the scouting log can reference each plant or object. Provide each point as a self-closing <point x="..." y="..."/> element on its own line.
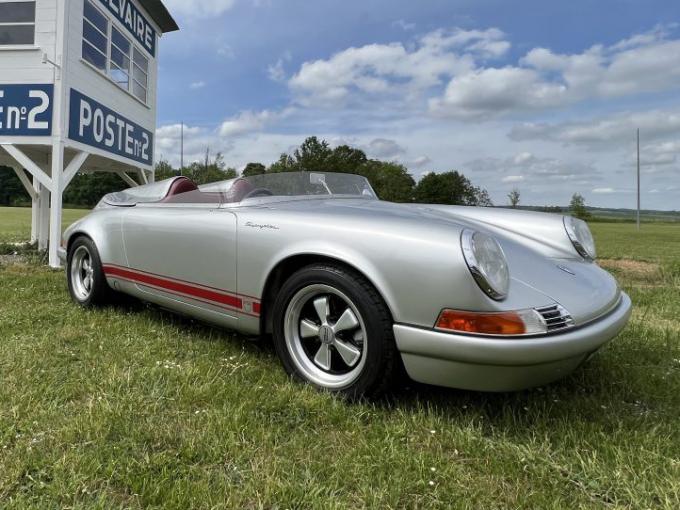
<point x="183" y="253"/>
<point x="415" y="278"/>
<point x="412" y="255"/>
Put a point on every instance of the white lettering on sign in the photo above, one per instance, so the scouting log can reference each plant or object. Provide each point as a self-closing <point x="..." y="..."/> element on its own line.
<point x="41" y="108"/>
<point x="25" y="110"/>
<point x="103" y="125"/>
<point x="134" y="21"/>
<point x="98" y="126"/>
<point x="85" y="117"/>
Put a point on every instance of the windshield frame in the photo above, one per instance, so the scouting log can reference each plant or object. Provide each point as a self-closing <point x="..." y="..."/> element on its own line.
<point x="285" y="186"/>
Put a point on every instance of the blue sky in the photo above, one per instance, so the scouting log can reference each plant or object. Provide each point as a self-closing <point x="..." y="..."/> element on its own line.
<point x="540" y="96"/>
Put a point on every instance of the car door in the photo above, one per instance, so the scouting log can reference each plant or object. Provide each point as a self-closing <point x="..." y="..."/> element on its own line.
<point x="184" y="256"/>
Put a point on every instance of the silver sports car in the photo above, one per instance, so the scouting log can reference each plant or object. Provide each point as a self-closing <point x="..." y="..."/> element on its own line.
<point x="353" y="289"/>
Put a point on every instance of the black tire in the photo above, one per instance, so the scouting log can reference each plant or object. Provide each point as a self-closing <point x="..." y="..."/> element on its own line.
<point x="99" y="293"/>
<point x="375" y="374"/>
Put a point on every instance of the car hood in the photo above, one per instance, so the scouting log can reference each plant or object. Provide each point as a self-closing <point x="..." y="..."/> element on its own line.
<point x="539" y="253"/>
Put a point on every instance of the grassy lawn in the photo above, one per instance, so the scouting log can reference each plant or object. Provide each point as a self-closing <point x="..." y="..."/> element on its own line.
<point x="133" y="407"/>
<point x="15" y="222"/>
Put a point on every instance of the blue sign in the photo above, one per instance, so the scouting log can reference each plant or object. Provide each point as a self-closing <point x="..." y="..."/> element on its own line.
<point x="129" y="15"/>
<point x="26" y="110"/>
<point x="96" y="125"/>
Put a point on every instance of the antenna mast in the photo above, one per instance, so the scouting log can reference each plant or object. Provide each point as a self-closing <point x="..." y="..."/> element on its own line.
<point x="638" y="178"/>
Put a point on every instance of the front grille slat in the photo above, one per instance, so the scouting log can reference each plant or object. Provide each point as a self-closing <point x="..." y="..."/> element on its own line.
<point x="555" y="317"/>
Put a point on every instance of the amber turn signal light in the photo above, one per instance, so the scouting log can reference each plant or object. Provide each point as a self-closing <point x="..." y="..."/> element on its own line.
<point x="484" y="323"/>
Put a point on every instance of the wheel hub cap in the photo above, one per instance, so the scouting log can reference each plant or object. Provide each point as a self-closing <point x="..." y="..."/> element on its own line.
<point x="82" y="273"/>
<point x="326" y="335"/>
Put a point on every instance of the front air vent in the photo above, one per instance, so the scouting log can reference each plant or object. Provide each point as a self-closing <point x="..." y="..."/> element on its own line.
<point x="555" y="317"/>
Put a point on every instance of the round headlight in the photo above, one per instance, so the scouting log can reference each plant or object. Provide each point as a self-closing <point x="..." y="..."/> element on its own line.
<point x="487" y="263"/>
<point x="580" y="236"/>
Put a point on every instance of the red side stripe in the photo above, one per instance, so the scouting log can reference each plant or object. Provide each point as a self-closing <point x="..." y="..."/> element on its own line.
<point x="174" y="286"/>
<point x="183" y="281"/>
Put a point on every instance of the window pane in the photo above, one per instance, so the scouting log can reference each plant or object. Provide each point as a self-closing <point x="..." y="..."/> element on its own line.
<point x="96" y="17"/>
<point x="120" y="41"/>
<point x="94" y="37"/>
<point x="141" y="60"/>
<point x="119" y="76"/>
<point x="139" y="91"/>
<point x="93" y="56"/>
<point x="16" y="34"/>
<point x="17" y="12"/>
<point x="119" y="59"/>
<point x="139" y="75"/>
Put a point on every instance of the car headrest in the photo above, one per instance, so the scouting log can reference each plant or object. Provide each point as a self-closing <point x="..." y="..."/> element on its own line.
<point x="239" y="189"/>
<point x="181" y="185"/>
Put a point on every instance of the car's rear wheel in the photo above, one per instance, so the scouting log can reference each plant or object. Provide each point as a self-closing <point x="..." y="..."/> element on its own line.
<point x="86" y="281"/>
<point x="333" y="330"/>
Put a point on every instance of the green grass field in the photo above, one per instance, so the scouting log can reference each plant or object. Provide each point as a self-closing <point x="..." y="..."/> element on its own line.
<point x="15" y="222"/>
<point x="134" y="407"/>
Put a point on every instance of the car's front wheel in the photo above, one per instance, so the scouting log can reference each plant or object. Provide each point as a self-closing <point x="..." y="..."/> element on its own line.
<point x="333" y="330"/>
<point x="86" y="281"/>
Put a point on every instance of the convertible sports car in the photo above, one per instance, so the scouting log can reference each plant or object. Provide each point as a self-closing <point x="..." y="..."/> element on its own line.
<point x="352" y="288"/>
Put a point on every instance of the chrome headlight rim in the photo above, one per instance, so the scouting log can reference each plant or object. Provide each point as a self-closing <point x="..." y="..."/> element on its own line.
<point x="479" y="273"/>
<point x="584" y="247"/>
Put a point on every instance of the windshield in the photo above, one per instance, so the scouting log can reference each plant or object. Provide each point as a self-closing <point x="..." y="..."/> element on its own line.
<point x="307" y="184"/>
<point x="181" y="190"/>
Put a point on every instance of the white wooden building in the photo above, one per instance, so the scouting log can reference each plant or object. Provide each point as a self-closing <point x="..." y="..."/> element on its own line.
<point x="78" y="81"/>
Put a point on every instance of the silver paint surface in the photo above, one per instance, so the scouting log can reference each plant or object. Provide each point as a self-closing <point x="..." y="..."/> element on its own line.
<point x="411" y="253"/>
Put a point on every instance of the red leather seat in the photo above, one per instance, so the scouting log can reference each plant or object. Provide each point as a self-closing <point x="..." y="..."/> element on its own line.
<point x="180" y="185"/>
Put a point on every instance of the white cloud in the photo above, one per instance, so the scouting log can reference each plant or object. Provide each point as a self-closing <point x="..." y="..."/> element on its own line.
<point x="524" y="164"/>
<point x="513" y="178"/>
<point x="196" y="141"/>
<point x="246" y="122"/>
<point x="172" y="132"/>
<point x="490" y="92"/>
<point x="197" y="85"/>
<point x="604" y="190"/>
<point x="544" y="79"/>
<point x="394" y="69"/>
<point x="277" y="72"/>
<point x="199" y="8"/>
<point x="450" y="68"/>
<point x="419" y="162"/>
<point x="618" y="128"/>
<point x="383" y="148"/>
<point x="657" y="33"/>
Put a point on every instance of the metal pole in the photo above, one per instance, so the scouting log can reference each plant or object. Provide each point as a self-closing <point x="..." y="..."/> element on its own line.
<point x="181" y="163"/>
<point x="638" y="178"/>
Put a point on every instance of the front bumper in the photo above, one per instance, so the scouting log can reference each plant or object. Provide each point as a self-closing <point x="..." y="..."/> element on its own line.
<point x="61" y="253"/>
<point x="492" y="364"/>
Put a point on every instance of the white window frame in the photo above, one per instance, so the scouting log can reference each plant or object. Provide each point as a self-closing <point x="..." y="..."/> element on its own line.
<point x="134" y="80"/>
<point x="20" y="23"/>
<point x="106" y="72"/>
<point x="107" y="38"/>
<point x="114" y="65"/>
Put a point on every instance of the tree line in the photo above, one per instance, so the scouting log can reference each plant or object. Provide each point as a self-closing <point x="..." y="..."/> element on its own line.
<point x="577" y="205"/>
<point x="390" y="180"/>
